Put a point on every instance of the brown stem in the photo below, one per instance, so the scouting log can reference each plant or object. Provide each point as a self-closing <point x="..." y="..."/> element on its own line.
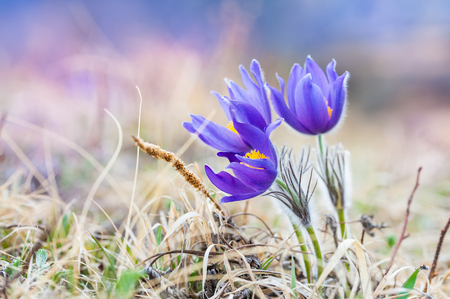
<point x="438" y="250"/>
<point x="402" y="236"/>
<point x="362" y="236"/>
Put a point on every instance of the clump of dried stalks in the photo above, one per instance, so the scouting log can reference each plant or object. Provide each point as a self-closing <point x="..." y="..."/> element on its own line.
<point x="193" y="248"/>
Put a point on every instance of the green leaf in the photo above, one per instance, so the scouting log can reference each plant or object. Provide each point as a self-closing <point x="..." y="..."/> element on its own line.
<point x="158" y="235"/>
<point x="66" y="275"/>
<point x="111" y="259"/>
<point x="391" y="241"/>
<point x="66" y="224"/>
<point x="130" y="252"/>
<point x="14" y="267"/>
<point x="127" y="283"/>
<point x="409" y="284"/>
<point x="41" y="258"/>
<point x="267" y="263"/>
<point x="293" y="282"/>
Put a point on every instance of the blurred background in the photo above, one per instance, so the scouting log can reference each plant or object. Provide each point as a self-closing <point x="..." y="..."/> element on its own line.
<point x="63" y="62"/>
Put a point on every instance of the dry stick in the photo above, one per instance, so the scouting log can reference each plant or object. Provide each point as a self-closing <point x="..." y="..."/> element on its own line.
<point x="362" y="236"/>
<point x="402" y="236"/>
<point x="438" y="250"/>
<point x="158" y="153"/>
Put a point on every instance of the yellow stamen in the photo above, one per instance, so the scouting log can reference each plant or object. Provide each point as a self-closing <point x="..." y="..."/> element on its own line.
<point x="330" y="111"/>
<point x="231" y="127"/>
<point x="254" y="154"/>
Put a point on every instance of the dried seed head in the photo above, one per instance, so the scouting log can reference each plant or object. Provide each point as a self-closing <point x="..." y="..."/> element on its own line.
<point x="158" y="153"/>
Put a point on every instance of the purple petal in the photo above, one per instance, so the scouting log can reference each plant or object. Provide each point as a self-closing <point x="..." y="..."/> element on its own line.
<point x="331" y="72"/>
<point x="318" y="76"/>
<point x="312" y="109"/>
<point x="281" y="82"/>
<point x="230" y="91"/>
<point x="227" y="183"/>
<point x="282" y="110"/>
<point x="223" y="104"/>
<point x="269" y="129"/>
<point x="242" y="95"/>
<point x="339" y="96"/>
<point x="239" y="197"/>
<point x="230" y="156"/>
<point x="189" y="126"/>
<point x="252" y="88"/>
<point x="246" y="113"/>
<point x="216" y="136"/>
<point x="295" y="76"/>
<point x="258" y="179"/>
<point x="255" y="68"/>
<point x="259" y="163"/>
<point x="253" y="136"/>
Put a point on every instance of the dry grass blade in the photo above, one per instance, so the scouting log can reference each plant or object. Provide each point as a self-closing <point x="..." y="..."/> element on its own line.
<point x="438" y="251"/>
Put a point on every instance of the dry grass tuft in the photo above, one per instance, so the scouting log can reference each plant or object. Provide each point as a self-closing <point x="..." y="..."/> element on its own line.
<point x="189" y="248"/>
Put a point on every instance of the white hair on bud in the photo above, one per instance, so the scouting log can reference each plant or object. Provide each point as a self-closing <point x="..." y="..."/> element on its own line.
<point x="344" y="109"/>
<point x="284" y="210"/>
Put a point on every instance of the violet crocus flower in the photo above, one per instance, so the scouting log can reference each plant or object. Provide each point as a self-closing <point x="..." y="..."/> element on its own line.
<point x="316" y="103"/>
<point x="245" y="141"/>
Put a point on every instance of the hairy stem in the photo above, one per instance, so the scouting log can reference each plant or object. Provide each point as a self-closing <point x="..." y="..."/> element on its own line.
<point x="304" y="248"/>
<point x="317" y="250"/>
<point x="319" y="140"/>
<point x="341" y="216"/>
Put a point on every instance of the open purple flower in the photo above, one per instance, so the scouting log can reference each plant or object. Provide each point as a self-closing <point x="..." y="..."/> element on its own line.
<point x="316" y="103"/>
<point x="252" y="157"/>
<point x="245" y="141"/>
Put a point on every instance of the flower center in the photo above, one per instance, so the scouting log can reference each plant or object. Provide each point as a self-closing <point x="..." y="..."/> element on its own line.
<point x="231" y="127"/>
<point x="254" y="154"/>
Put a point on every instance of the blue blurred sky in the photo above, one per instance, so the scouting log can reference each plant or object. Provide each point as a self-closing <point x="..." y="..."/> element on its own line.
<point x="386" y="45"/>
<point x="280" y="26"/>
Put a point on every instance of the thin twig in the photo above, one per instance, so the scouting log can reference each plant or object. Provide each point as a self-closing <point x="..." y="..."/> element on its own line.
<point x="402" y="236"/>
<point x="438" y="250"/>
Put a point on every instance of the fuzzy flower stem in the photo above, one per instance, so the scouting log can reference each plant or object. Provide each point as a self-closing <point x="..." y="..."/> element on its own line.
<point x="341" y="216"/>
<point x="304" y="248"/>
<point x="317" y="250"/>
<point x="320" y="142"/>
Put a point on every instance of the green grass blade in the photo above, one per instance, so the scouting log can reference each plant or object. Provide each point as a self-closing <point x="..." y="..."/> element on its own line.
<point x="158" y="235"/>
<point x="108" y="256"/>
<point x="267" y="263"/>
<point x="127" y="283"/>
<point x="409" y="284"/>
<point x="293" y="281"/>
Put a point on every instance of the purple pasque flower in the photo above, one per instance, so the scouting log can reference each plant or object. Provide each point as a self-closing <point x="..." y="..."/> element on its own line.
<point x="244" y="141"/>
<point x="316" y="103"/>
<point x="254" y="171"/>
<point x="252" y="156"/>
